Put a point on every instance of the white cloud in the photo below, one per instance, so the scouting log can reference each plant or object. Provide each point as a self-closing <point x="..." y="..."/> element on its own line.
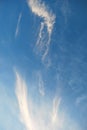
<point x="58" y="117"/>
<point x="21" y="93"/>
<point x="39" y="41"/>
<point x="39" y="8"/>
<point x="56" y="104"/>
<point x="17" y="27"/>
<point x="45" y="116"/>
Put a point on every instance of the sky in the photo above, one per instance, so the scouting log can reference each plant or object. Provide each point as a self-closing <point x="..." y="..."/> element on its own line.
<point x="43" y="65"/>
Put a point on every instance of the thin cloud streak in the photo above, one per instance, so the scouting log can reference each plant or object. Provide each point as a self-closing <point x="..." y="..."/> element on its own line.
<point x="56" y="105"/>
<point x="41" y="85"/>
<point x="21" y="93"/>
<point x="40" y="34"/>
<point x="39" y="8"/>
<point x="18" y="23"/>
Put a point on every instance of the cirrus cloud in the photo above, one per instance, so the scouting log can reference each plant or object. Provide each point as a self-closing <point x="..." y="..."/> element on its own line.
<point x="44" y="116"/>
<point x="48" y="19"/>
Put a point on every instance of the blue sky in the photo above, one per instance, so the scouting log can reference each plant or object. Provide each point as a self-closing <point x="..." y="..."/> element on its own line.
<point x="43" y="65"/>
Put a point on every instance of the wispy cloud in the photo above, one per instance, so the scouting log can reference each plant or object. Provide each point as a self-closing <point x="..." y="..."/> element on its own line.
<point x="56" y="105"/>
<point x="48" y="19"/>
<point x="18" y="23"/>
<point x="45" y="116"/>
<point x="21" y="93"/>
<point x="41" y="85"/>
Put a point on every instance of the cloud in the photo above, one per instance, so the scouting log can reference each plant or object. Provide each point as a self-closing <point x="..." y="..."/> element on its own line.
<point x="21" y="93"/>
<point x="56" y="104"/>
<point x="17" y="27"/>
<point x="48" y="19"/>
<point x="43" y="116"/>
<point x="41" y="84"/>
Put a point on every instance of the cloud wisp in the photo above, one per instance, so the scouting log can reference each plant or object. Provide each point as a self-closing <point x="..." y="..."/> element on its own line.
<point x="41" y="84"/>
<point x="18" y="23"/>
<point x="56" y="105"/>
<point x="21" y="93"/>
<point x="43" y="116"/>
<point x="48" y="19"/>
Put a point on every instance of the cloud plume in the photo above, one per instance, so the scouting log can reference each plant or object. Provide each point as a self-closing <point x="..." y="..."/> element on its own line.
<point x="21" y="93"/>
<point x="45" y="116"/>
<point x="48" y="19"/>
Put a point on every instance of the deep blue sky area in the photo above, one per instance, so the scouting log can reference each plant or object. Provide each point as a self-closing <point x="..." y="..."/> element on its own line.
<point x="43" y="74"/>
